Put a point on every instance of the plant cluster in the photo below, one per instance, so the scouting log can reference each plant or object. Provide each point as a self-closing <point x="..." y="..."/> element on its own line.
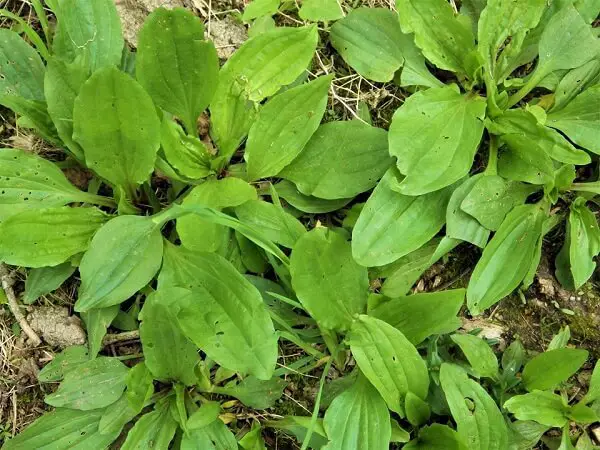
<point x="201" y="242"/>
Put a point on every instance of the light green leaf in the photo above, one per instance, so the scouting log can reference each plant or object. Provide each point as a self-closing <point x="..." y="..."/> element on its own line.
<point x="205" y="415"/>
<point x="548" y="369"/>
<point x="254" y="393"/>
<point x="154" y="429"/>
<point x="48" y="237"/>
<point x="582" y="414"/>
<point x="560" y="339"/>
<point x="140" y="386"/>
<point x="96" y="322"/>
<point x="215" y="436"/>
<point x="392" y="225"/>
<point x="436" y="437"/>
<point x="575" y="82"/>
<point x="589" y="9"/>
<point x="479" y="421"/>
<point x="260" y="8"/>
<point x="176" y="66"/>
<point x="543" y="407"/>
<point x="444" y="39"/>
<point x="306" y="203"/>
<point x="507" y="257"/>
<point x="124" y="256"/>
<point x="116" y="124"/>
<point x="168" y="353"/>
<point x="44" y="280"/>
<point x="320" y="10"/>
<point x="328" y="282"/>
<point x="358" y="419"/>
<point x="390" y="362"/>
<point x="21" y="68"/>
<point x="518" y="162"/>
<point x="274" y="222"/>
<point x="261" y="25"/>
<point x="68" y="360"/>
<point x="478" y="353"/>
<point x="593" y="392"/>
<point x="284" y="126"/>
<point x="94" y="384"/>
<point x="341" y="160"/>
<point x="414" y="72"/>
<point x="526" y="433"/>
<point x="253" y="439"/>
<point x="369" y="41"/>
<point x="461" y="225"/>
<point x="419" y="316"/>
<point x="187" y="154"/>
<point x="417" y="410"/>
<point x="246" y="79"/>
<point x="435" y="135"/>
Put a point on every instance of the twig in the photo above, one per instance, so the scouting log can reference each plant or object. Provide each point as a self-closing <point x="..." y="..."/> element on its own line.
<point x="13" y="304"/>
<point x="111" y="339"/>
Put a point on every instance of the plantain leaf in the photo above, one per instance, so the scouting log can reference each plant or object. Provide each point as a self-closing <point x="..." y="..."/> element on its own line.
<point x="44" y="280"/>
<point x="21" y="68"/>
<point x="215" y="436"/>
<point x="307" y="203"/>
<point x="154" y="430"/>
<point x="548" y="369"/>
<point x="575" y="82"/>
<point x="478" y="353"/>
<point x="461" y="225"/>
<point x="546" y="408"/>
<point x="254" y="393"/>
<point x="436" y="437"/>
<point x="185" y="153"/>
<point x="320" y="10"/>
<point x="96" y="322"/>
<point x="66" y="361"/>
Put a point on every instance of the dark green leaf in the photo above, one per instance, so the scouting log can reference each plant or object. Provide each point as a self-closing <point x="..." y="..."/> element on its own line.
<point x="417" y="410"/>
<point x="96" y="322"/>
<point x="255" y="393"/>
<point x="44" y="280"/>
<point x="461" y="225"/>
<point x="21" y="68"/>
<point x="69" y="359"/>
<point x="154" y="429"/>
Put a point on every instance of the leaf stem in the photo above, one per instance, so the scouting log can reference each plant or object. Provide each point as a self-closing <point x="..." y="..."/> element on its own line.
<point x="492" y="165"/>
<point x="98" y="200"/>
<point x="526" y="89"/>
<point x="593" y="187"/>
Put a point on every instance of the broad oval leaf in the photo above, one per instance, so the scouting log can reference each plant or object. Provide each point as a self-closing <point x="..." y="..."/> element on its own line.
<point x="283" y="127"/>
<point x="368" y="39"/>
<point x="358" y="419"/>
<point x="222" y="312"/>
<point x="21" y="68"/>
<point x="461" y="225"/>
<point x="478" y="353"/>
<point x="116" y="124"/>
<point x="507" y="257"/>
<point x="328" y="282"/>
<point x="154" y="430"/>
<point x="123" y="257"/>
<point x="435" y="135"/>
<point x="479" y="421"/>
<point x="546" y="408"/>
<point x="94" y="384"/>
<point x="524" y="160"/>
<point x="307" y="203"/>
<point x="392" y="225"/>
<point x="548" y="369"/>
<point x="48" y="237"/>
<point x="176" y="66"/>
<point x="390" y="362"/>
<point x="341" y="160"/>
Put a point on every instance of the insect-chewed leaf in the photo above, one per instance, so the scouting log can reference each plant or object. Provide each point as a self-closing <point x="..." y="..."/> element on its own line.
<point x="90" y="30"/>
<point x="580" y="119"/>
<point x="222" y="313"/>
<point x="63" y="428"/>
<point x="479" y="421"/>
<point x="21" y="68"/>
<point x="48" y="237"/>
<point x="66" y="361"/>
<point x="94" y="384"/>
<point x="574" y="83"/>
<point x="176" y="66"/>
<point x="392" y="225"/>
<point x="185" y="153"/>
<point x="307" y="203"/>
<point x="97" y="321"/>
<point x="419" y="316"/>
<point x="245" y="79"/>
<point x="369" y="41"/>
<point x="358" y="419"/>
<point x="168" y="353"/>
<point x="320" y="10"/>
<point x="44" y="280"/>
<point x="124" y="256"/>
<point x="284" y="126"/>
<point x="507" y="257"/>
<point x="548" y="369"/>
<point x="478" y="353"/>
<point x="460" y="224"/>
<point x="445" y="40"/>
<point x="155" y="429"/>
<point x="329" y="284"/>
<point x="436" y="437"/>
<point x="116" y="124"/>
<point x="390" y="362"/>
<point x="341" y="160"/>
<point x="546" y="408"/>
<point x="255" y="393"/>
<point x="435" y="135"/>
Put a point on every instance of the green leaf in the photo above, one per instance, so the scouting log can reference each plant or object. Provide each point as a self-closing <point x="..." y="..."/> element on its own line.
<point x="253" y="439"/>
<point x="34" y="115"/>
<point x="89" y="30"/>
<point x="320" y="10"/>
<point x="436" y="437"/>
<point x="461" y="225"/>
<point x="513" y="357"/>
<point x="549" y="369"/>
<point x="66" y="361"/>
<point x="507" y="257"/>
<point x="176" y="66"/>
<point x="94" y="384"/>
<point x="435" y="135"/>
<point x="283" y="127"/>
<point x="205" y="415"/>
<point x="198" y="234"/>
<point x="123" y="258"/>
<point x="417" y="410"/>
<point x="185" y="153"/>
<point x="580" y="119"/>
<point x="96" y="322"/>
<point x="526" y="434"/>
<point x="223" y="314"/>
<point x="444" y="39"/>
<point x="215" y="436"/>
<point x="44" y="280"/>
<point x="593" y="392"/>
<point x="583" y="414"/>
<point x="358" y="419"/>
<point x="478" y="353"/>
<point x="116" y="416"/>
<point x="274" y="222"/>
<point x="390" y="362"/>
<point x="479" y="421"/>
<point x="575" y="82"/>
<point x="341" y="160"/>
<point x="492" y="198"/>
<point x="392" y="225"/>
<point x="260" y="8"/>
<point x="298" y="425"/>
<point x="48" y="237"/>
<point x="368" y="39"/>
<point x="328" y="282"/>
<point x="21" y="68"/>
<point x="589" y="9"/>
<point x="154" y="429"/>
<point x="254" y="393"/>
<point x="116" y="124"/>
<point x="245" y="79"/>
<point x="168" y="353"/>
<point x="251" y="255"/>
<point x="518" y="162"/>
<point x="306" y="203"/>
<point x="63" y="428"/>
<point x="543" y="407"/>
<point x="261" y="25"/>
<point x="139" y="386"/>
<point x="419" y="316"/>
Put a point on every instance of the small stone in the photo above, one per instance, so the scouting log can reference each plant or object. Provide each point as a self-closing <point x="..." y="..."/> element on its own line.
<point x="56" y="327"/>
